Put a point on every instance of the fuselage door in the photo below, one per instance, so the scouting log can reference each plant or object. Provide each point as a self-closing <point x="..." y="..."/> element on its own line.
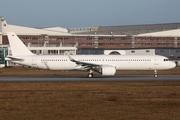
<point x="34" y="61"/>
<point x="156" y="60"/>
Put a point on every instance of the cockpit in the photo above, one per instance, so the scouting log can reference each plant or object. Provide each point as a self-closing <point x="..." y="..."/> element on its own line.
<point x="166" y="59"/>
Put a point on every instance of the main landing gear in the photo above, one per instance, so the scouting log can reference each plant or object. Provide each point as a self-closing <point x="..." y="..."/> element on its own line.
<point x="155" y="74"/>
<point x="90" y="75"/>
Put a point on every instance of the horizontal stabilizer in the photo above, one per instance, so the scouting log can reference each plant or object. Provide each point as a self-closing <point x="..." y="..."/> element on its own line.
<point x="9" y="58"/>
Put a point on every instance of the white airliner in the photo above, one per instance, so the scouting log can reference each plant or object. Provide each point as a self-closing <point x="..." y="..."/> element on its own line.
<point x="103" y="64"/>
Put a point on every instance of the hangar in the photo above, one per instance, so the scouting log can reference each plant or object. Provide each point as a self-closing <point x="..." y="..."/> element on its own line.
<point x="36" y="39"/>
<point x="163" y="38"/>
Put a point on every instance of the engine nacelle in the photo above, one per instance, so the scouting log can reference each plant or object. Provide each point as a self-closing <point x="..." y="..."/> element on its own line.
<point x="108" y="70"/>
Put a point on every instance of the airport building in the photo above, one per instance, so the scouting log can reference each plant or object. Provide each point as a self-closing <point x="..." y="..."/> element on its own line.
<point x="3" y="54"/>
<point x="163" y="39"/>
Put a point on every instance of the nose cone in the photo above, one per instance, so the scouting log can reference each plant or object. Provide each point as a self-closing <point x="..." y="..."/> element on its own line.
<point x="171" y="65"/>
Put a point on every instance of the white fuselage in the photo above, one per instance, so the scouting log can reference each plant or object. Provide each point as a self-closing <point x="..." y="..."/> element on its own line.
<point x="121" y="62"/>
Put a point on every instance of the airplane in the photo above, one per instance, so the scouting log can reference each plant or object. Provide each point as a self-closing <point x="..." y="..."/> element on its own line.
<point x="106" y="65"/>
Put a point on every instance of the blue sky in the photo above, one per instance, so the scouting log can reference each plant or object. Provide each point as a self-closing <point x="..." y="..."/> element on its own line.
<point x="87" y="13"/>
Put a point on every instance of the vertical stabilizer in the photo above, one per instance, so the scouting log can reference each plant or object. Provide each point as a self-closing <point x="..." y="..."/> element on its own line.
<point x="17" y="46"/>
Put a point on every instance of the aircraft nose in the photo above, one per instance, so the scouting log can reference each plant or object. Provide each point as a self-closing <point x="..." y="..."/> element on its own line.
<point x="172" y="65"/>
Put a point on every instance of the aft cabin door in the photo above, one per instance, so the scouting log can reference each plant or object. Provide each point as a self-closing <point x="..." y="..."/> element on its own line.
<point x="34" y="61"/>
<point x="156" y="60"/>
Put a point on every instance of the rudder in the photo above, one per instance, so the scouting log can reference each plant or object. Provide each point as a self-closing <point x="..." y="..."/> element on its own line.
<point x="17" y="46"/>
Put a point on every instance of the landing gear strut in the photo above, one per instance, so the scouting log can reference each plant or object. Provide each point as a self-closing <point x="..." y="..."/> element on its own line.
<point x="155" y="74"/>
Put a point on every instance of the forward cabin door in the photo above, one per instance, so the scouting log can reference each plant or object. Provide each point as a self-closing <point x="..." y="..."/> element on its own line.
<point x="34" y="64"/>
<point x="156" y="60"/>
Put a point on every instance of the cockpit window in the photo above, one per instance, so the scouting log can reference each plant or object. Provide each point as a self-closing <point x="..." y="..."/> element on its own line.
<point x="166" y="59"/>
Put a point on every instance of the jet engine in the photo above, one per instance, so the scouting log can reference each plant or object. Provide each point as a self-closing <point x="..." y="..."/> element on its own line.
<point x="108" y="70"/>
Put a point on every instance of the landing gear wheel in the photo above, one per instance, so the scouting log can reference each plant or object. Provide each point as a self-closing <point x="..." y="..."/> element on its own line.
<point x="90" y="75"/>
<point x="155" y="75"/>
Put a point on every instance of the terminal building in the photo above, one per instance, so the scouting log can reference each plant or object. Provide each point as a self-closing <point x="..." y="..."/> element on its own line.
<point x="163" y="39"/>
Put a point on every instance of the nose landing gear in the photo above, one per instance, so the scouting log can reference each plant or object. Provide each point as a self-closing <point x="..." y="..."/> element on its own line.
<point x="155" y="74"/>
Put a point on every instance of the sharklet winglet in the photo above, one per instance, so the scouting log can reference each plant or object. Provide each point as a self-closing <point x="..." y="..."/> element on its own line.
<point x="70" y="58"/>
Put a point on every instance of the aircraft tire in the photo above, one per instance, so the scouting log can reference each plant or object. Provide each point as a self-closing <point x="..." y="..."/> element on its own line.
<point x="90" y="75"/>
<point x="155" y="75"/>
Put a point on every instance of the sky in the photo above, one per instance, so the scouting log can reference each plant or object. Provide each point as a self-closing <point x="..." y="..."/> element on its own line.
<point x="89" y="13"/>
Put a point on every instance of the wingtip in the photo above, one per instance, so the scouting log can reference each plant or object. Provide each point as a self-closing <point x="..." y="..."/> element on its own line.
<point x="70" y="58"/>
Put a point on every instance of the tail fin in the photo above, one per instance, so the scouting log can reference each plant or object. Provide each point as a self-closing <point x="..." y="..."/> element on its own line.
<point x="17" y="46"/>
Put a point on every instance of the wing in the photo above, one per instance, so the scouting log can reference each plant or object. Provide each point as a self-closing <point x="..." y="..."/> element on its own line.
<point x="84" y="65"/>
